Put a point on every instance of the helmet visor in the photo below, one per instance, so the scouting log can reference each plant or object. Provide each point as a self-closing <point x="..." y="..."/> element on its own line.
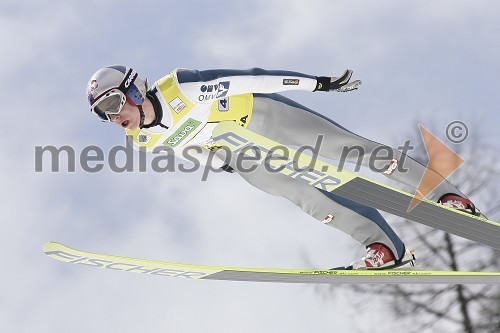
<point x="109" y="104"/>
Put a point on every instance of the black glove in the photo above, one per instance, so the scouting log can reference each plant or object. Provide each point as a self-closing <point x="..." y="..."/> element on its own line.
<point x="340" y="84"/>
<point x="227" y="168"/>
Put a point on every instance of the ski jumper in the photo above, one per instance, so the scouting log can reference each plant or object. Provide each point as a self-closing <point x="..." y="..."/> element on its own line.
<point x="189" y="104"/>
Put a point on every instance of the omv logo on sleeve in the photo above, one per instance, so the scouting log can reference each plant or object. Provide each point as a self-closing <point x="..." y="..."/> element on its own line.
<point x="213" y="91"/>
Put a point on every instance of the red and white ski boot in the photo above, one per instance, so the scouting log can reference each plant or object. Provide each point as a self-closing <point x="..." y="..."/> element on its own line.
<point x="460" y="203"/>
<point x="379" y="256"/>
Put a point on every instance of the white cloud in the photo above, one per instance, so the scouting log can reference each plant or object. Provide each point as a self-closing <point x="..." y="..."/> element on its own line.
<point x="283" y="31"/>
<point x="31" y="32"/>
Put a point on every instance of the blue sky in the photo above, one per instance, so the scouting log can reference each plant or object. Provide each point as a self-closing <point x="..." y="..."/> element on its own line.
<point x="420" y="61"/>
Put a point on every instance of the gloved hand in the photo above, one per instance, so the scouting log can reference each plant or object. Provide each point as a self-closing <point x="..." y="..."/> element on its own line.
<point x="227" y="168"/>
<point x="340" y="84"/>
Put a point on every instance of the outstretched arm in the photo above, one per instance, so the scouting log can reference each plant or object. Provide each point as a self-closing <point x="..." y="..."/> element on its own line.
<point x="209" y="85"/>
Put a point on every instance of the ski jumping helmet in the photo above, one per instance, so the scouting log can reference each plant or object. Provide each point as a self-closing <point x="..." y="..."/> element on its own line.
<point x="111" y="86"/>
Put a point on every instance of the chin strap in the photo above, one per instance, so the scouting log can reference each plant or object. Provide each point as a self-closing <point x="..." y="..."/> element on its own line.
<point x="143" y="116"/>
<point x="141" y="111"/>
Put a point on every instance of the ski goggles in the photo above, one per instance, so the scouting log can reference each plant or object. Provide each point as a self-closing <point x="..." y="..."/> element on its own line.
<point x="111" y="103"/>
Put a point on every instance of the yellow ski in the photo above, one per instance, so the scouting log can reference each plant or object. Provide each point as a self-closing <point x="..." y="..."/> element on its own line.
<point x="66" y="254"/>
<point x="327" y="177"/>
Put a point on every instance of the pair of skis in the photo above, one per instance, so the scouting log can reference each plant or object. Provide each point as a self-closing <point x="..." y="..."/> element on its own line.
<point x="326" y="177"/>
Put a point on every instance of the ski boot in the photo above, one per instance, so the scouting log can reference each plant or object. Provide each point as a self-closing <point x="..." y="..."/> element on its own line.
<point x="379" y="256"/>
<point x="460" y="203"/>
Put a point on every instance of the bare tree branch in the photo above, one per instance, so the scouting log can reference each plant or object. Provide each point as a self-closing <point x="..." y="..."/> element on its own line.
<point x="458" y="308"/>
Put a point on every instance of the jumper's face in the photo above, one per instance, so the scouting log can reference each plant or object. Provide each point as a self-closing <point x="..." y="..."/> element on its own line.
<point x="129" y="117"/>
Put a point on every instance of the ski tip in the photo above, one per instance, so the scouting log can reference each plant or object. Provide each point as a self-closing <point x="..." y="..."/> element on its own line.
<point x="47" y="246"/>
<point x="50" y="246"/>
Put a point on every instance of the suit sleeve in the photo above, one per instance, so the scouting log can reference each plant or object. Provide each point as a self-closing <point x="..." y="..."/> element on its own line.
<point x="209" y="85"/>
